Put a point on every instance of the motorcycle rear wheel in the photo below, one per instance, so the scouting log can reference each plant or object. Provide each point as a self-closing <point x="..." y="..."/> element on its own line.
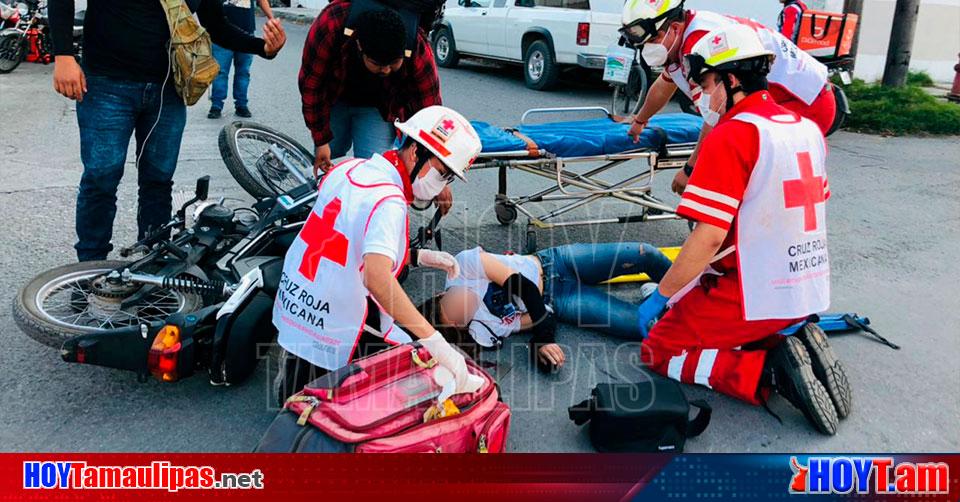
<point x="56" y="305"/>
<point x="245" y="148"/>
<point x="12" y="51"/>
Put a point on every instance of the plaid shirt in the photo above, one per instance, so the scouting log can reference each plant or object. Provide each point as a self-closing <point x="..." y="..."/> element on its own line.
<point x="323" y="74"/>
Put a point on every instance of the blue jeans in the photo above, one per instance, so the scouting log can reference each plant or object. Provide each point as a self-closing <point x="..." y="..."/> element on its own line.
<point x="572" y="276"/>
<point x="241" y="76"/>
<point x="111" y="111"/>
<point x="360" y="127"/>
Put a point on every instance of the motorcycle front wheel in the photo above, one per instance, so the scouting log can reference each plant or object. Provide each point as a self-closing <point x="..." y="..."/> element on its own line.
<point x="258" y="158"/>
<point x="66" y="301"/>
<point x="12" y="51"/>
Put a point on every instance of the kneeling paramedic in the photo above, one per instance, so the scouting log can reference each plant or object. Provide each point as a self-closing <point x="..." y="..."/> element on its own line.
<point x="339" y="280"/>
<point x="757" y="261"/>
<point x="665" y="32"/>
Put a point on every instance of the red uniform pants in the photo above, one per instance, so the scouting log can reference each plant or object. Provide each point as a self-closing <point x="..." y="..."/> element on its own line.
<point x="699" y="340"/>
<point x="823" y="110"/>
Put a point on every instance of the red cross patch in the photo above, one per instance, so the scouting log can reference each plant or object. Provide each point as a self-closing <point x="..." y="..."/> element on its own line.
<point x="323" y="241"/>
<point x="444" y="128"/>
<point x="718" y="44"/>
<point x="805" y="192"/>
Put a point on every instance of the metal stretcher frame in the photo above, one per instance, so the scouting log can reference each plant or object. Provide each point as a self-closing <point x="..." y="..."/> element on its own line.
<point x="577" y="188"/>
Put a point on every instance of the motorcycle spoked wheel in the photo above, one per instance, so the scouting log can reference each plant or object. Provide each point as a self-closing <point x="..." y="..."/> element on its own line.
<point x="60" y="304"/>
<point x="245" y="148"/>
<point x="12" y="51"/>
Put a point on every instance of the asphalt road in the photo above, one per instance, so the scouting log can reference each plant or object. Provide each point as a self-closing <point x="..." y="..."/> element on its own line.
<point x="894" y="235"/>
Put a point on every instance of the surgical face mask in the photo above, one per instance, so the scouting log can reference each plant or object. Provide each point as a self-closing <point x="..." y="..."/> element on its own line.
<point x="656" y="54"/>
<point x="710" y="116"/>
<point x="428" y="186"/>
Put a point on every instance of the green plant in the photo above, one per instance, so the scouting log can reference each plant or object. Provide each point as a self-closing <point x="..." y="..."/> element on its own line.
<point x="919" y="78"/>
<point x="899" y="110"/>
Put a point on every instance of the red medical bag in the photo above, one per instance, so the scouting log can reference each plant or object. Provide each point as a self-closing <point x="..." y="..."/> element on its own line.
<point x="387" y="403"/>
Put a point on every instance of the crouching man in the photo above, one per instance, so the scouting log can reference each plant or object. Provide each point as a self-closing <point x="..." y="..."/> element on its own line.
<point x="339" y="285"/>
<point x="756" y="262"/>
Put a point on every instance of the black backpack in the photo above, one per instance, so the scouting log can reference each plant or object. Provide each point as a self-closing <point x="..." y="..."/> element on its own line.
<point x="651" y="416"/>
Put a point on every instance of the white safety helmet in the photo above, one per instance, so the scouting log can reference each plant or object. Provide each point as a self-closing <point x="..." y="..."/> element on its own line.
<point x="734" y="47"/>
<point x="642" y="19"/>
<point x="447" y="134"/>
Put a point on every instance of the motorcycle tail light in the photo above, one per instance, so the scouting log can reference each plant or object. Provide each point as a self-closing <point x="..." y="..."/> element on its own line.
<point x="583" y="34"/>
<point x="162" y="359"/>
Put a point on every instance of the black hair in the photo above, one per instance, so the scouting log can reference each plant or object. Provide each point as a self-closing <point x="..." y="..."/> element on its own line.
<point x="460" y="337"/>
<point x="423" y="155"/>
<point x="381" y="35"/>
<point x="752" y="78"/>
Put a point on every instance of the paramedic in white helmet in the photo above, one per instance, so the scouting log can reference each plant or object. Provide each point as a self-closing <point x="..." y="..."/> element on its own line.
<point x="339" y="282"/>
<point x="757" y="261"/>
<point x="665" y="32"/>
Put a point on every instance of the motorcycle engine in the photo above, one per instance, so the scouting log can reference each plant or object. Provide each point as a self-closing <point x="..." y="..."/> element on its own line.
<point x="217" y="216"/>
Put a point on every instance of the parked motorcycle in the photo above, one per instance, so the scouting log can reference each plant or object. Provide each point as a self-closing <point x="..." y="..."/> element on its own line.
<point x="201" y="299"/>
<point x="26" y="35"/>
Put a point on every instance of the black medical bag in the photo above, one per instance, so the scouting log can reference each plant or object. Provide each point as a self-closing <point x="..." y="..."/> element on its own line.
<point x="650" y="416"/>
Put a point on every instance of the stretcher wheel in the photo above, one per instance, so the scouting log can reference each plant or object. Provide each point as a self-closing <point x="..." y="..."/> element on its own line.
<point x="531" y="245"/>
<point x="506" y="212"/>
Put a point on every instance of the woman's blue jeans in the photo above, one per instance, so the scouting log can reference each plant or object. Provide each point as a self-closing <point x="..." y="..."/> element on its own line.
<point x="111" y="112"/>
<point x="572" y="277"/>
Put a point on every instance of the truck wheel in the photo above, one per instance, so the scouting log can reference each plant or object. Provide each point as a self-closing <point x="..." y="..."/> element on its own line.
<point x="444" y="49"/>
<point x="540" y="69"/>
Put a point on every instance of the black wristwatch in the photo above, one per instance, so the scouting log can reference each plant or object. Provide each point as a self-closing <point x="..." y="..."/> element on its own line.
<point x="687" y="169"/>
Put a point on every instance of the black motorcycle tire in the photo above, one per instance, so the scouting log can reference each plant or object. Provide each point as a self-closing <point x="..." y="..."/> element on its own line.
<point x="251" y="181"/>
<point x="31" y="320"/>
<point x="7" y="65"/>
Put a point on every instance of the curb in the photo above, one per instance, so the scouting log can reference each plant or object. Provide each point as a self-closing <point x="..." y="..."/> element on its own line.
<point x="294" y="15"/>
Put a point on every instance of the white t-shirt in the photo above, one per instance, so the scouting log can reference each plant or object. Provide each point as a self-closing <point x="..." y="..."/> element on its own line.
<point x="497" y="315"/>
<point x="387" y="227"/>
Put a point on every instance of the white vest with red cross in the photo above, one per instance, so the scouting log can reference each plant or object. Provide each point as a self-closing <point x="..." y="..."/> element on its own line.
<point x="794" y="69"/>
<point x="321" y="304"/>
<point x="781" y="244"/>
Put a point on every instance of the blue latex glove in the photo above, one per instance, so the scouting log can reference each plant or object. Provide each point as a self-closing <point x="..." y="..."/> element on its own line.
<point x="649" y="310"/>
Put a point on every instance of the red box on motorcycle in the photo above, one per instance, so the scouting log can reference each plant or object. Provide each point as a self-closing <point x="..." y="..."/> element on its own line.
<point x="827" y="35"/>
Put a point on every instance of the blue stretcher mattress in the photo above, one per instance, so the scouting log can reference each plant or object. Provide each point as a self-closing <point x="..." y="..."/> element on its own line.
<point x="591" y="137"/>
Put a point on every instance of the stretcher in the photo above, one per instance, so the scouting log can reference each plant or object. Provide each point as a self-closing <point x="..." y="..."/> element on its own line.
<point x="574" y="154"/>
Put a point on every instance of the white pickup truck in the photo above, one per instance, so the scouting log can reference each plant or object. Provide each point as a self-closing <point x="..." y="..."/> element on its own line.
<point x="543" y="35"/>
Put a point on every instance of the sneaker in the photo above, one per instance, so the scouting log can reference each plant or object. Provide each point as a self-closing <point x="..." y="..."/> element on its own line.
<point x="827" y="367"/>
<point x="788" y="366"/>
<point x="214" y="113"/>
<point x="242" y="111"/>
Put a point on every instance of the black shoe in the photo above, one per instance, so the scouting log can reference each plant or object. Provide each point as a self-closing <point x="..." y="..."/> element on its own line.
<point x="827" y="367"/>
<point x="242" y="111"/>
<point x="214" y="113"/>
<point x="792" y="377"/>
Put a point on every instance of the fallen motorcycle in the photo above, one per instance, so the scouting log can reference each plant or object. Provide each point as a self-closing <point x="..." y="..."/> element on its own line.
<point x="199" y="300"/>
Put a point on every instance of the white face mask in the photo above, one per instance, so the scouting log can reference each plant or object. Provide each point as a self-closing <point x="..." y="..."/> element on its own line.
<point x="710" y="116"/>
<point x="428" y="186"/>
<point x="654" y="54"/>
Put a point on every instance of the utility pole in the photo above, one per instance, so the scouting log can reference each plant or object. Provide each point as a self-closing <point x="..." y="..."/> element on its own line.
<point x="901" y="43"/>
<point x="854" y="7"/>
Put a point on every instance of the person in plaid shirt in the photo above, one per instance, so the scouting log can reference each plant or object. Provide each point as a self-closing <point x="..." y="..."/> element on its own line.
<point x="354" y="87"/>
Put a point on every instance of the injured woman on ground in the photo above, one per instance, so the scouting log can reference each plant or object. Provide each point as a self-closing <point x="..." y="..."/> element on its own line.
<point x="498" y="295"/>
